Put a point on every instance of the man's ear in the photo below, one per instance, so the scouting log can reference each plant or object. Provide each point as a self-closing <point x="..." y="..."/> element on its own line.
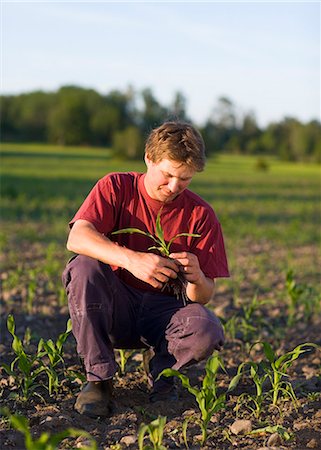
<point x="147" y="160"/>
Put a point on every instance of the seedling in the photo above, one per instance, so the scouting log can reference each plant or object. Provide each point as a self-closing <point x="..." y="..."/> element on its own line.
<point x="54" y="352"/>
<point x="301" y="295"/>
<point x="31" y="289"/>
<point x="273" y="429"/>
<point x="207" y="398"/>
<point x="124" y="356"/>
<point x="246" y="324"/>
<point x="24" y="368"/>
<point x="179" y="285"/>
<point x="46" y="441"/>
<point x="276" y="369"/>
<point x="273" y="369"/>
<point x="258" y="398"/>
<point x="155" y="431"/>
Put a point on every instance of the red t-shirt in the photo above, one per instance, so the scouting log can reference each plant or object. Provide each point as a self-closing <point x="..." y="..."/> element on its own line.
<point x="120" y="200"/>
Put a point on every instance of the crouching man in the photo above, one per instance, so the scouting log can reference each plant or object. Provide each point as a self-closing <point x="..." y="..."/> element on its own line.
<point x="120" y="293"/>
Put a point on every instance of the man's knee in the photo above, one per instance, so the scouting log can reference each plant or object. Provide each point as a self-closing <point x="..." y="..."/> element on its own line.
<point x="84" y="269"/>
<point x="208" y="332"/>
<point x="196" y="333"/>
<point x="84" y="266"/>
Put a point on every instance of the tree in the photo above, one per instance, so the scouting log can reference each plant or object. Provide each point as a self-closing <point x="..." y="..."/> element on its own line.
<point x="69" y="122"/>
<point x="220" y="131"/>
<point x="177" y="109"/>
<point x="128" y="143"/>
<point x="153" y="113"/>
<point x="249" y="134"/>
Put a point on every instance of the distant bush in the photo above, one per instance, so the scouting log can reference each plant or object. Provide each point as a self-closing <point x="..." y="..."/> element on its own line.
<point x="128" y="144"/>
<point x="262" y="164"/>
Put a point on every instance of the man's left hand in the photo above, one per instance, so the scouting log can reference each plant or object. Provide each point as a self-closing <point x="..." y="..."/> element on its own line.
<point x="189" y="266"/>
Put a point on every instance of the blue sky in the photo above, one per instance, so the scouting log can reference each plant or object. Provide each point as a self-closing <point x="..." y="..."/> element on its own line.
<point x="264" y="56"/>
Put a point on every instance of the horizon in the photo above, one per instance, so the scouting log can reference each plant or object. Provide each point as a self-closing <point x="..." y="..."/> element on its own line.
<point x="264" y="57"/>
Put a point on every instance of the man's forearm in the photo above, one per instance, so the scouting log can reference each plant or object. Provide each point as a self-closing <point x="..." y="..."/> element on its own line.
<point x="201" y="292"/>
<point x="85" y="240"/>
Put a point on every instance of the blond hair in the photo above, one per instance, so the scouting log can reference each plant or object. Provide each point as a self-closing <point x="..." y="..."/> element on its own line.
<point x="178" y="141"/>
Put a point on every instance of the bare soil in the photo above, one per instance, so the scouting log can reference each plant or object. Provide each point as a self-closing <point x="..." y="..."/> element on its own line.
<point x="131" y="391"/>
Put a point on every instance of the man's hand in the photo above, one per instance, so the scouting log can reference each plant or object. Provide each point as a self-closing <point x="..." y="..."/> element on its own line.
<point x="199" y="288"/>
<point x="189" y="266"/>
<point x="153" y="269"/>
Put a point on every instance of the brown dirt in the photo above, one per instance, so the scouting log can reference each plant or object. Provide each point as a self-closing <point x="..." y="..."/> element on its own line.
<point x="56" y="413"/>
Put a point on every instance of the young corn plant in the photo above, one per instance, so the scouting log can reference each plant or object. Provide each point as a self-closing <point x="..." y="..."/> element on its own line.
<point x="53" y="351"/>
<point x="25" y="368"/>
<point x="178" y="285"/>
<point x="46" y="441"/>
<point x="124" y="356"/>
<point x="255" y="401"/>
<point x="281" y="431"/>
<point x="301" y="296"/>
<point x="247" y="324"/>
<point x="276" y="368"/>
<point x="207" y="397"/>
<point x="31" y="290"/>
<point x="154" y="430"/>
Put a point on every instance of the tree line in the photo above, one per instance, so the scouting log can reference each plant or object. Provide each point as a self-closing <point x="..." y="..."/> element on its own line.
<point x="77" y="116"/>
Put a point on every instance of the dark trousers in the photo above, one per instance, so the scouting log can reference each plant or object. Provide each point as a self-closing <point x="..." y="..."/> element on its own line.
<point x="108" y="314"/>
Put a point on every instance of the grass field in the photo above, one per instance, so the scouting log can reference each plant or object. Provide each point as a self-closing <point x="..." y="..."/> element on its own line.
<point x="42" y="187"/>
<point x="271" y="223"/>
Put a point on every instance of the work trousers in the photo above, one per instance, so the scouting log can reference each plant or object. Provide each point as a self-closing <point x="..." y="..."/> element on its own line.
<point x="106" y="314"/>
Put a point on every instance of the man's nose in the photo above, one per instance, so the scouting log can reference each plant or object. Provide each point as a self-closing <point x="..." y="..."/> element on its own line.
<point x="173" y="185"/>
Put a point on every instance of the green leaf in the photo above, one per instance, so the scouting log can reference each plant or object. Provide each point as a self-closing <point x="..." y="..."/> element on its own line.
<point x="268" y="351"/>
<point x="234" y="382"/>
<point x="130" y="231"/>
<point x="162" y="250"/>
<point x="11" y="324"/>
<point x="179" y="235"/>
<point x="183" y="378"/>
<point x="159" y="229"/>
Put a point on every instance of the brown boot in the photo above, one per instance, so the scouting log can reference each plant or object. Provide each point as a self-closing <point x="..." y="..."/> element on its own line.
<point x="95" y="399"/>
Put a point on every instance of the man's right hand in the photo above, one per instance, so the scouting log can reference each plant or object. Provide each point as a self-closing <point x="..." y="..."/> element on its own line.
<point x="153" y="269"/>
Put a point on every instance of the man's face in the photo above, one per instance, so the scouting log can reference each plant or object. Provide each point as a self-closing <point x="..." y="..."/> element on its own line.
<point x="166" y="179"/>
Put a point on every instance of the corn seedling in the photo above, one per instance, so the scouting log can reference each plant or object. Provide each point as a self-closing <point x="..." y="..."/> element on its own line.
<point x="276" y="370"/>
<point x="124" y="356"/>
<point x="179" y="285"/>
<point x="231" y="326"/>
<point x="245" y="325"/>
<point x="285" y="435"/>
<point x="31" y="290"/>
<point x="301" y="296"/>
<point x="54" y="352"/>
<point x="46" y="441"/>
<point x="25" y="369"/>
<point x="52" y="265"/>
<point x="13" y="278"/>
<point x="207" y="398"/>
<point x="258" y="398"/>
<point x="61" y="295"/>
<point x="155" y="431"/>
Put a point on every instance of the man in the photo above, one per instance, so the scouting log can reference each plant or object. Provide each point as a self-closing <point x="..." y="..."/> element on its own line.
<point x="119" y="291"/>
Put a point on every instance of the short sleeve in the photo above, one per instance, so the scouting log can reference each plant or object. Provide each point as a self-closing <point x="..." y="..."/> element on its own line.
<point x="210" y="248"/>
<point x="99" y="207"/>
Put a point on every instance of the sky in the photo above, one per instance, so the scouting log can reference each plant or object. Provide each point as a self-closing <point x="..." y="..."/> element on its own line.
<point x="263" y="56"/>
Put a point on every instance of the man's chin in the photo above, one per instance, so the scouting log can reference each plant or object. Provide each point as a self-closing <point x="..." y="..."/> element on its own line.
<point x="169" y="198"/>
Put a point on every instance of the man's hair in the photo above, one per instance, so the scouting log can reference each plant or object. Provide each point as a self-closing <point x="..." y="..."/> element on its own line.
<point x="178" y="141"/>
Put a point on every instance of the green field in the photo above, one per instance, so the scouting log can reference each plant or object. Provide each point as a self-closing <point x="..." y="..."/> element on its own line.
<point x="42" y="187"/>
<point x="271" y="224"/>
